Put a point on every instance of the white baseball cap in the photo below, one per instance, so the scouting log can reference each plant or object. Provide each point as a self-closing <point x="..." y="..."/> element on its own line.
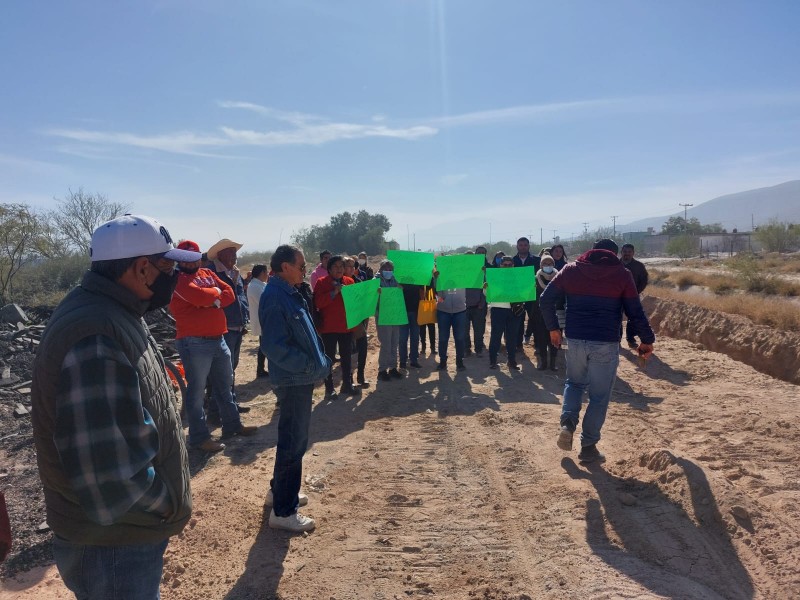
<point x="130" y="236"/>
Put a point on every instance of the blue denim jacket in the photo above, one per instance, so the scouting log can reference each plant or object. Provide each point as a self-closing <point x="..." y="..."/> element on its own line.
<point x="288" y="338"/>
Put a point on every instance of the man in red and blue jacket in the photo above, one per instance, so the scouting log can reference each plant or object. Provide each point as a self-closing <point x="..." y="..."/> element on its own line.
<point x="597" y="289"/>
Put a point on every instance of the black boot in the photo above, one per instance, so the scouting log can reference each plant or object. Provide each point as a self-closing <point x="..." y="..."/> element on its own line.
<point x="541" y="360"/>
<point x="553" y="355"/>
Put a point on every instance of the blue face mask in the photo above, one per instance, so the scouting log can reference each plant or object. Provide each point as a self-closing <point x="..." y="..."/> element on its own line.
<point x="387" y="274"/>
<point x="548" y="270"/>
<point x="498" y="260"/>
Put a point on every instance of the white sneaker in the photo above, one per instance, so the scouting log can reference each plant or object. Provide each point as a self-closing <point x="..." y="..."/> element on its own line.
<point x="303" y="499"/>
<point x="295" y="522"/>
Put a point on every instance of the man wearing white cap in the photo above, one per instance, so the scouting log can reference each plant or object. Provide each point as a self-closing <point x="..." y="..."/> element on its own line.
<point x="110" y="446"/>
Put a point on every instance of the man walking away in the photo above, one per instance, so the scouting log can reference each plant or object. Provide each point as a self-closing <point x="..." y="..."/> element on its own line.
<point x="640" y="278"/>
<point x="296" y="361"/>
<point x="597" y="289"/>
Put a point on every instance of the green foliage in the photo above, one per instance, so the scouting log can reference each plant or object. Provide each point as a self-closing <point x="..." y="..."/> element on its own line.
<point x="46" y="281"/>
<point x="19" y="235"/>
<point x="682" y="246"/>
<point x="346" y="232"/>
<point x="678" y="225"/>
<point x="777" y="237"/>
<point x="752" y="275"/>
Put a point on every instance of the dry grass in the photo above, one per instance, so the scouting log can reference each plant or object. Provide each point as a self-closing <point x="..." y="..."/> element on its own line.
<point x="773" y="312"/>
<point x="747" y="276"/>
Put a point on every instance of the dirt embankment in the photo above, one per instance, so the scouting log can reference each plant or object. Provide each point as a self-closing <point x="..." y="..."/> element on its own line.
<point x="763" y="348"/>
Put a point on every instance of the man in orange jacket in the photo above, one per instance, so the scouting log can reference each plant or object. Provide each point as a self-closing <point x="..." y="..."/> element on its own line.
<point x="197" y="305"/>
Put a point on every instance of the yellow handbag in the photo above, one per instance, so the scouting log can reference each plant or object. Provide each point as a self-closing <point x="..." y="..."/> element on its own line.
<point x="426" y="313"/>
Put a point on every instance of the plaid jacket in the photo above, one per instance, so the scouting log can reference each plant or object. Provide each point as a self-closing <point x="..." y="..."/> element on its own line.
<point x="105" y="438"/>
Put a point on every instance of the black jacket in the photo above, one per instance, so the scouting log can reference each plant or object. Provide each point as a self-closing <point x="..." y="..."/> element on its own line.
<point x="639" y="272"/>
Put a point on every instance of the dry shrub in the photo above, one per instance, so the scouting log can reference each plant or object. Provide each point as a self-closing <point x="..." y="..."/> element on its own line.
<point x="685" y="279"/>
<point x="773" y="312"/>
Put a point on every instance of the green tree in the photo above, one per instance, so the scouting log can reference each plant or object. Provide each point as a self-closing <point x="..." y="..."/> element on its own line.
<point x="682" y="246"/>
<point x="346" y="232"/>
<point x="678" y="226"/>
<point x="19" y="238"/>
<point x="776" y="236"/>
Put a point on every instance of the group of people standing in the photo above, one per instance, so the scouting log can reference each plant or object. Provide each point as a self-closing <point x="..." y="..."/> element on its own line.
<point x="110" y="445"/>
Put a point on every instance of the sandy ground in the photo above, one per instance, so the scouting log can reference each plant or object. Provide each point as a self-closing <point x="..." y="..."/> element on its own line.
<point x="450" y="485"/>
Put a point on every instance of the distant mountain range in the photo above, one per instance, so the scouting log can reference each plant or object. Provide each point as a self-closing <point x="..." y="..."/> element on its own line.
<point x="740" y="210"/>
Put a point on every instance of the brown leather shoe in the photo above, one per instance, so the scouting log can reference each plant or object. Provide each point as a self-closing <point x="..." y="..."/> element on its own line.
<point x="244" y="430"/>
<point x="211" y="446"/>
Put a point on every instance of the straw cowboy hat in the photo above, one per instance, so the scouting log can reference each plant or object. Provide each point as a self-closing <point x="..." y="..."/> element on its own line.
<point x="221" y="245"/>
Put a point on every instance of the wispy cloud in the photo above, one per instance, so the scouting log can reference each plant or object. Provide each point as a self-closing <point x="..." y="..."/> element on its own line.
<point x="297" y="128"/>
<point x="526" y="112"/>
<point x="312" y="130"/>
<point x="453" y="179"/>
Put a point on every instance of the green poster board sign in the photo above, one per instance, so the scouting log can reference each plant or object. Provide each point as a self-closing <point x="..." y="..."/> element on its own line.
<point x="517" y="284"/>
<point x="360" y="300"/>
<point x="392" y="307"/>
<point x="412" y="267"/>
<point x="460" y="271"/>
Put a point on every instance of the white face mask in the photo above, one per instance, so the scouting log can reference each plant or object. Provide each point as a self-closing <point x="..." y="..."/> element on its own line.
<point x="388" y="274"/>
<point x="548" y="270"/>
<point x="363" y="261"/>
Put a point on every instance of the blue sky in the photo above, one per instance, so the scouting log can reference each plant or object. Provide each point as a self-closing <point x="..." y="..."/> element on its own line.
<point x="250" y="120"/>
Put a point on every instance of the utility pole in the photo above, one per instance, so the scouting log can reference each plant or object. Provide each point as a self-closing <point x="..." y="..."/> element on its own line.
<point x="490" y="234"/>
<point x="585" y="228"/>
<point x="541" y="236"/>
<point x="614" y="218"/>
<point x="685" y="206"/>
<point x="554" y="235"/>
<point x="408" y="238"/>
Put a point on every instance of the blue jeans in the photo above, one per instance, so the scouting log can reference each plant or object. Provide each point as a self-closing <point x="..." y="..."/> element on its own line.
<point x="409" y="331"/>
<point x="111" y="572"/>
<point x="207" y="359"/>
<point x="504" y="321"/>
<point x="592" y="368"/>
<point x="295" y="417"/>
<point x="458" y="321"/>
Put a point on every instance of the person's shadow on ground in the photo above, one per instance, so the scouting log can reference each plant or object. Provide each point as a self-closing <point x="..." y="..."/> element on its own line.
<point x="638" y="530"/>
<point x="264" y="568"/>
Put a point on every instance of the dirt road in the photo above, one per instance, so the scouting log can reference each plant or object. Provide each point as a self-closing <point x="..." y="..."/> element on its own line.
<point x="450" y="485"/>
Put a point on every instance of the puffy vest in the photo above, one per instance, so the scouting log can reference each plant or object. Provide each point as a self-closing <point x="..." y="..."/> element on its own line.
<point x="101" y="306"/>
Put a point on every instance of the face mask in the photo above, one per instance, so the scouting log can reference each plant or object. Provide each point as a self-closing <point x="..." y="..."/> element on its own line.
<point x="387" y="274"/>
<point x="548" y="270"/>
<point x="363" y="262"/>
<point x="498" y="261"/>
<point x="162" y="289"/>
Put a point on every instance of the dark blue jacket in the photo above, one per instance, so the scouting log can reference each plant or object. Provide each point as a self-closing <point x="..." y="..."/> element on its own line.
<point x="288" y="338"/>
<point x="597" y="289"/>
<point x="238" y="313"/>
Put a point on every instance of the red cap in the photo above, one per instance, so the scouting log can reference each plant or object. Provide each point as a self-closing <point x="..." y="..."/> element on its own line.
<point x="189" y="245"/>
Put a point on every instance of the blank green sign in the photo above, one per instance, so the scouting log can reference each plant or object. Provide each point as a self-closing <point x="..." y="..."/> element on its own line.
<point x="360" y="300"/>
<point x="516" y="284"/>
<point x="392" y="307"/>
<point x="412" y="267"/>
<point x="460" y="271"/>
